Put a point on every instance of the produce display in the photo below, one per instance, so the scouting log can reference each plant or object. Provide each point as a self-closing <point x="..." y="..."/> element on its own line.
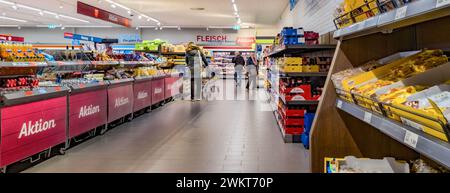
<point x="19" y="52"/>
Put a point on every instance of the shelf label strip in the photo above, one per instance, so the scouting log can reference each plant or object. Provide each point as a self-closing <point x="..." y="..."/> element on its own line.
<point x="401" y="12"/>
<point x="367" y="117"/>
<point x="440" y="3"/>
<point x="339" y="104"/>
<point x="411" y="139"/>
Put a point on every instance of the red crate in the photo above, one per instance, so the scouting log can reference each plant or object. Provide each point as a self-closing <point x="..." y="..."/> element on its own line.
<point x="292" y="112"/>
<point x="293" y="122"/>
<point x="294" y="130"/>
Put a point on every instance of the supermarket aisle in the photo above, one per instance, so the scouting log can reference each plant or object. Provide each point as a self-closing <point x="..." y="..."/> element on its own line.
<point x="235" y="135"/>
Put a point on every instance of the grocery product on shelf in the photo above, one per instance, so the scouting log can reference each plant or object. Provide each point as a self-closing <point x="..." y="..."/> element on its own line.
<point x="353" y="11"/>
<point x="351" y="164"/>
<point x="19" y="52"/>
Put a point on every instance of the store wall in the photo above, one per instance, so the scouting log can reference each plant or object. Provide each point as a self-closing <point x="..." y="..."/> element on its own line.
<point x="314" y="15"/>
<point x="45" y="35"/>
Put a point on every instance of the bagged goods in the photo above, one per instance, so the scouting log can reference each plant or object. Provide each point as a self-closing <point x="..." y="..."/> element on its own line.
<point x="413" y="65"/>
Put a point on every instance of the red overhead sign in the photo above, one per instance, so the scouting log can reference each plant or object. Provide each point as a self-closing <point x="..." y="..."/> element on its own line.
<point x="245" y="40"/>
<point x="11" y="38"/>
<point x="91" y="11"/>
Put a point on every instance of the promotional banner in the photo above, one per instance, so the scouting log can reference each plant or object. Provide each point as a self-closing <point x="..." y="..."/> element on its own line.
<point x="158" y="91"/>
<point x="87" y="111"/>
<point x="91" y="11"/>
<point x="142" y="95"/>
<point x="30" y="128"/>
<point x="11" y="38"/>
<point x="120" y="101"/>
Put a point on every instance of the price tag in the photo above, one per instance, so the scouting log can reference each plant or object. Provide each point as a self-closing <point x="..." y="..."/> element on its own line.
<point x="411" y="139"/>
<point x="367" y="117"/>
<point x="440" y="3"/>
<point x="339" y="104"/>
<point x="401" y="12"/>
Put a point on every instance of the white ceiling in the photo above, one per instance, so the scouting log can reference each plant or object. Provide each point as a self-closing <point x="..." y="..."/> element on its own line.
<point x="168" y="12"/>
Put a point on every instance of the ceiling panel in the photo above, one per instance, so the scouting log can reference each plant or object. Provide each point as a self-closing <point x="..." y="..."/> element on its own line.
<point x="168" y="12"/>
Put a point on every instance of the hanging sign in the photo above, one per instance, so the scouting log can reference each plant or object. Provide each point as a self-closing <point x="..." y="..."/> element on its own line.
<point x="91" y="11"/>
<point x="129" y="38"/>
<point x="245" y="40"/>
<point x="208" y="38"/>
<point x="11" y="38"/>
<point x="82" y="37"/>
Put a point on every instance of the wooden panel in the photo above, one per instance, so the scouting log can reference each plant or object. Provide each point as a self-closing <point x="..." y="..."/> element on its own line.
<point x="329" y="135"/>
<point x="337" y="134"/>
<point x="376" y="46"/>
<point x="434" y="34"/>
<point x="373" y="143"/>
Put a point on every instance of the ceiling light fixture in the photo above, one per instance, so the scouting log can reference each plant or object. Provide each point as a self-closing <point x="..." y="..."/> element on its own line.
<point x="41" y="13"/>
<point x="28" y="7"/>
<point x="132" y="10"/>
<point x="113" y="6"/>
<point x="6" y="2"/>
<point x="156" y="28"/>
<point x="12" y="19"/>
<point x="14" y="6"/>
<point x="89" y="26"/>
<point x="57" y="16"/>
<point x="179" y="28"/>
<point x="9" y="26"/>
<point x="235" y="8"/>
<point x="62" y="28"/>
<point x="73" y="18"/>
<point x="146" y="26"/>
<point x="207" y="29"/>
<point x="19" y="27"/>
<point x="220" y="27"/>
<point x="140" y="17"/>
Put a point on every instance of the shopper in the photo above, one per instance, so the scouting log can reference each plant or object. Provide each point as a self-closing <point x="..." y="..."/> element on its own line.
<point x="192" y="52"/>
<point x="252" y="71"/>
<point x="239" y="63"/>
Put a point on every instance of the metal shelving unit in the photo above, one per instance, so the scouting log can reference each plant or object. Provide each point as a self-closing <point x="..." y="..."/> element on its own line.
<point x="429" y="146"/>
<point x="299" y="49"/>
<point x="415" y="12"/>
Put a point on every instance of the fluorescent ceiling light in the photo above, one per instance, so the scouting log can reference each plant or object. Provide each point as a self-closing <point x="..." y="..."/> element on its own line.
<point x="132" y="10"/>
<point x="146" y="26"/>
<point x="220" y="27"/>
<point x="119" y="5"/>
<point x="9" y="26"/>
<point x="113" y="5"/>
<point x="72" y="18"/>
<point x="174" y="27"/>
<point x="50" y="13"/>
<point x="13" y="19"/>
<point x="6" y="2"/>
<point x="87" y="26"/>
<point x="232" y="1"/>
<point x="14" y="6"/>
<point x="235" y="8"/>
<point x="28" y="7"/>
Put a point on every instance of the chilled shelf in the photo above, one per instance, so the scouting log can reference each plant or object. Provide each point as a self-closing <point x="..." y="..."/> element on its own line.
<point x="424" y="144"/>
<point x="297" y="49"/>
<point x="412" y="13"/>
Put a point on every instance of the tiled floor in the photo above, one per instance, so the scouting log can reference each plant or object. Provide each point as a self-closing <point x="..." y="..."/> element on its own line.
<point x="236" y="132"/>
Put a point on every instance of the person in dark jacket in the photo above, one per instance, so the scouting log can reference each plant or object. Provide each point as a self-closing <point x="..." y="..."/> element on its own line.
<point x="239" y="63"/>
<point x="252" y="71"/>
<point x="192" y="52"/>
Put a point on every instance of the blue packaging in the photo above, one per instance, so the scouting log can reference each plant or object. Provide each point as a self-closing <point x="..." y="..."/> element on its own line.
<point x="309" y="118"/>
<point x="305" y="140"/>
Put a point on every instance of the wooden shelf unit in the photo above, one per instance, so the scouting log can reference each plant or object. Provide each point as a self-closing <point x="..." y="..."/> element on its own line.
<point x="336" y="133"/>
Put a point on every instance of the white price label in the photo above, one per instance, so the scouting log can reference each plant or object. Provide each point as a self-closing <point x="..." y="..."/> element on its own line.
<point x="367" y="117"/>
<point x="401" y="12"/>
<point x="339" y="104"/>
<point x="411" y="139"/>
<point x="440" y="3"/>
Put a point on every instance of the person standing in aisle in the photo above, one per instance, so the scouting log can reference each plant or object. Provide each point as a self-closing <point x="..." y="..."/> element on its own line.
<point x="252" y="71"/>
<point x="239" y="63"/>
<point x="193" y="52"/>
